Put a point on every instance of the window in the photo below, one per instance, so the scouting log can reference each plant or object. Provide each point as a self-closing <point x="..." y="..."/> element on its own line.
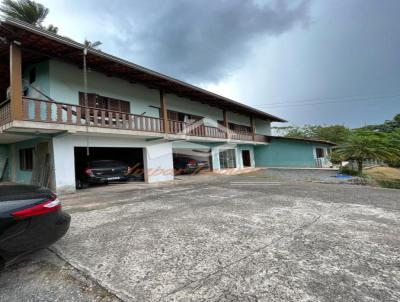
<point x="227" y="159"/>
<point x="32" y="75"/>
<point x="26" y="159"/>
<point x="319" y="152"/>
<point x="101" y="102"/>
<point x="183" y="117"/>
<point x="237" y="127"/>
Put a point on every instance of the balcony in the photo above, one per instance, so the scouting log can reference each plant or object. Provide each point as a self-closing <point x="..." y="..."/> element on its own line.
<point x="50" y="112"/>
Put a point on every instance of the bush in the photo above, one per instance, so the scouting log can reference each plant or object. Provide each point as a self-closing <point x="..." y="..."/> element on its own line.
<point x="349" y="171"/>
<point x="391" y="184"/>
<point x="393" y="163"/>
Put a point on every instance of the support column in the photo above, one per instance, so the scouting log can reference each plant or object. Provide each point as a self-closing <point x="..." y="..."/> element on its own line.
<point x="164" y="111"/>
<point x="158" y="162"/>
<point x="64" y="164"/>
<point x="253" y="127"/>
<point x="16" y="82"/>
<point x="226" y="125"/>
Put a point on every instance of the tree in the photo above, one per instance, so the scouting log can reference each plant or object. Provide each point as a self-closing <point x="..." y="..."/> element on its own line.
<point x="394" y="140"/>
<point x="334" y="133"/>
<point x="362" y="145"/>
<point x="387" y="126"/>
<point x="53" y="29"/>
<point x="25" y="10"/>
<point x="28" y="11"/>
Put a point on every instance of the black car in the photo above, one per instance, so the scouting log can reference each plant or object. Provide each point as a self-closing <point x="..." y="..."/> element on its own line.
<point x="30" y="219"/>
<point x="100" y="172"/>
<point x="188" y="165"/>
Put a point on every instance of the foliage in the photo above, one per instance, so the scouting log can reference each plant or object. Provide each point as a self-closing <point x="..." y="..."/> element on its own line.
<point x="53" y="29"/>
<point x="391" y="184"/>
<point x="394" y="140"/>
<point x="362" y="145"/>
<point x="28" y="11"/>
<point x="25" y="10"/>
<point x="334" y="133"/>
<point x="388" y="126"/>
<point x="349" y="171"/>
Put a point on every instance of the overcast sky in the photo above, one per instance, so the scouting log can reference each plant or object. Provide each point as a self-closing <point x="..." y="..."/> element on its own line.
<point x="310" y="62"/>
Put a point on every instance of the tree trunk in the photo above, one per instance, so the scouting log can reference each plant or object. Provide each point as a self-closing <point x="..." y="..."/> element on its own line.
<point x="360" y="166"/>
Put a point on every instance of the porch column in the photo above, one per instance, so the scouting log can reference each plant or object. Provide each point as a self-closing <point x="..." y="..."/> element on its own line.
<point x="164" y="111"/>
<point x="226" y="125"/>
<point x="253" y="127"/>
<point x="16" y="82"/>
<point x="158" y="162"/>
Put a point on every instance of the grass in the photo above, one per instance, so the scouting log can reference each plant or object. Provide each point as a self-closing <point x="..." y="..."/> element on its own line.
<point x="386" y="177"/>
<point x="391" y="184"/>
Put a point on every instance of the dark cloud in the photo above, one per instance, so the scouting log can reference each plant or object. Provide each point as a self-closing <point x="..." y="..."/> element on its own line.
<point x="351" y="48"/>
<point x="199" y="41"/>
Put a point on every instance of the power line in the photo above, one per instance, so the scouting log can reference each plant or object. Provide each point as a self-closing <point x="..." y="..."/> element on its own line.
<point x="332" y="98"/>
<point x="338" y="100"/>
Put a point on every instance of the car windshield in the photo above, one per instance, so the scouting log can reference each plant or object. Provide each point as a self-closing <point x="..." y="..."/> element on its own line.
<point x="106" y="163"/>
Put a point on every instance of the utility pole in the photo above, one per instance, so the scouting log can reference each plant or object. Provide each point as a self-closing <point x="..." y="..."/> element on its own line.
<point x="87" y="46"/>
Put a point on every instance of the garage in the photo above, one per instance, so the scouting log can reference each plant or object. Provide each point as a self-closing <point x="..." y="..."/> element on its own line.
<point x="102" y="165"/>
<point x="191" y="158"/>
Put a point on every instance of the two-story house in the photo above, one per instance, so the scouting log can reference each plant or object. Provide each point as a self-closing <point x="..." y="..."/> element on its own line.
<point x="51" y="114"/>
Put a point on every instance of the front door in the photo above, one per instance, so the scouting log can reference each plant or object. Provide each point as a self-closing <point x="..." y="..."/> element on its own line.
<point x="227" y="159"/>
<point x="246" y="158"/>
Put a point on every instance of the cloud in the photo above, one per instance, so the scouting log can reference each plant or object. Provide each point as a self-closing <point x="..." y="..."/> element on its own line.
<point x="199" y="41"/>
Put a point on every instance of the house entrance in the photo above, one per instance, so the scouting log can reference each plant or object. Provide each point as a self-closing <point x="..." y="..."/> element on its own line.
<point x="227" y="159"/>
<point x="246" y="158"/>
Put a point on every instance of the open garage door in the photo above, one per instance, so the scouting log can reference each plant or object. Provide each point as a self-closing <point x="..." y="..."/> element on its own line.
<point x="104" y="165"/>
<point x="192" y="159"/>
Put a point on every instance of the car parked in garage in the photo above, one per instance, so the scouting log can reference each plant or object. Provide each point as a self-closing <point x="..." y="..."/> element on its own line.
<point x="31" y="218"/>
<point x="188" y="165"/>
<point x="100" y="172"/>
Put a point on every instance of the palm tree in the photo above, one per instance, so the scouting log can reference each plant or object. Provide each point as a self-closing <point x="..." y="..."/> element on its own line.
<point x="25" y="10"/>
<point x="363" y="145"/>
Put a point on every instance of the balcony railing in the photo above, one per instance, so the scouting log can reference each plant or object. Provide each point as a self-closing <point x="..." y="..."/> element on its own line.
<point x="60" y="113"/>
<point x="38" y="110"/>
<point x="195" y="129"/>
<point x="5" y="112"/>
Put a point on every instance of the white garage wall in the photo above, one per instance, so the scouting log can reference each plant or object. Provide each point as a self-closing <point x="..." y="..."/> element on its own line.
<point x="157" y="158"/>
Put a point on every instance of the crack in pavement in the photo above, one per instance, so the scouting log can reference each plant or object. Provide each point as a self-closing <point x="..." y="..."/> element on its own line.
<point x="85" y="275"/>
<point x="220" y="269"/>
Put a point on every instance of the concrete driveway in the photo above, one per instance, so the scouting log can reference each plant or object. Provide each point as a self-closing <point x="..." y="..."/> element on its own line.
<point x="238" y="238"/>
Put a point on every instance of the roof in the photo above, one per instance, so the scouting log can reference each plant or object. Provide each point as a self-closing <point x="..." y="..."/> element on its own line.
<point x="309" y="140"/>
<point x="38" y="44"/>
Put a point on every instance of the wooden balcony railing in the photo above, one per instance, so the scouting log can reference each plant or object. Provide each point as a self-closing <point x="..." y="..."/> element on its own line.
<point x="60" y="113"/>
<point x="5" y="112"/>
<point x="195" y="129"/>
<point x="38" y="110"/>
<point x="243" y="136"/>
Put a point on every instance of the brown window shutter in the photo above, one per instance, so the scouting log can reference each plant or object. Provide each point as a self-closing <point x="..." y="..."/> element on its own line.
<point x="114" y="105"/>
<point x="91" y="99"/>
<point x="172" y="115"/>
<point x="125" y="106"/>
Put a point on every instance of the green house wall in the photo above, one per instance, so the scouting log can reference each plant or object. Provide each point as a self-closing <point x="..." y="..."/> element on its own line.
<point x="286" y="153"/>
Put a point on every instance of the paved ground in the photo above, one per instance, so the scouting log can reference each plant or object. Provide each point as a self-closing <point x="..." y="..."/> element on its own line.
<point x="238" y="238"/>
<point x="302" y="175"/>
